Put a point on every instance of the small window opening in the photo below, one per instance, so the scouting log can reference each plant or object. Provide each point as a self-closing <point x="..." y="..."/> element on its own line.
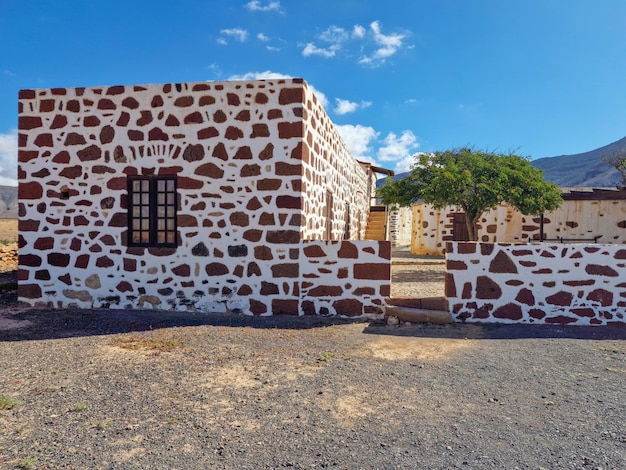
<point x="152" y="202"/>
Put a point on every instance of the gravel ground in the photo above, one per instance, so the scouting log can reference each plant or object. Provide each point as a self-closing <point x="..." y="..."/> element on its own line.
<point x="424" y="280"/>
<point x="131" y="390"/>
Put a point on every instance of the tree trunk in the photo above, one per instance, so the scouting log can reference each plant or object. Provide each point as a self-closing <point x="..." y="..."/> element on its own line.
<point x="472" y="226"/>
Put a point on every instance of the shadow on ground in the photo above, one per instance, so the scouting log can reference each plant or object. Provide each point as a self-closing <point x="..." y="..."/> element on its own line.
<point x="41" y="324"/>
<point x="36" y="324"/>
<point x="498" y="331"/>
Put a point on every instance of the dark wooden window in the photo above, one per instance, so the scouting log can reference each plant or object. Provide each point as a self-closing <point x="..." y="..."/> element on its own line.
<point x="459" y="230"/>
<point x="152" y="211"/>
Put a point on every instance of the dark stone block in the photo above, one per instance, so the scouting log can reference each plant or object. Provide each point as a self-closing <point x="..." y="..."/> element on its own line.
<point x="502" y="263"/>
<point x="455" y="265"/>
<point x="348" y="250"/>
<point x="290" y="270"/>
<point x="59" y="259"/>
<point x="561" y="298"/>
<point x="602" y="296"/>
<point x="104" y="262"/>
<point x="269" y="288"/>
<point x="325" y="291"/>
<point x="282" y="236"/>
<point x="348" y="307"/>
<point x="600" y="270"/>
<point x="285" y="306"/>
<point x="200" y="250"/>
<point x="525" y="296"/>
<point x="236" y="251"/>
<point x="487" y="288"/>
<point x="314" y="251"/>
<point x="373" y="271"/>
<point x="216" y="269"/>
<point x="509" y="311"/>
<point x="291" y="95"/>
<point x="263" y="253"/>
<point x="29" y="291"/>
<point x="257" y="307"/>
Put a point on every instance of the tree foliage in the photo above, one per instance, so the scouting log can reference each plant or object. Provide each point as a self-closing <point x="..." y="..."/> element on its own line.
<point x="618" y="161"/>
<point x="474" y="181"/>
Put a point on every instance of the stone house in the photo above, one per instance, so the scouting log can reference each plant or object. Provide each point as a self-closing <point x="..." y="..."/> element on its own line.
<point x="211" y="196"/>
<point x="586" y="215"/>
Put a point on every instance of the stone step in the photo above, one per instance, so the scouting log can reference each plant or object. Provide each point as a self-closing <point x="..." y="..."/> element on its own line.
<point x="426" y="303"/>
<point x="419" y="315"/>
<point x="375" y="234"/>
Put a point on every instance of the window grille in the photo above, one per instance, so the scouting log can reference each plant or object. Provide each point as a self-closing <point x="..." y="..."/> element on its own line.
<point x="152" y="211"/>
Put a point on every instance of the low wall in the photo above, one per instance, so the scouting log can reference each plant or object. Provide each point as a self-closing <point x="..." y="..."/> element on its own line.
<point x="346" y="278"/>
<point x="578" y="284"/>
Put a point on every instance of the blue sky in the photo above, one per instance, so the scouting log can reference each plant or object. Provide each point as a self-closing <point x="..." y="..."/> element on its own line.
<point x="542" y="77"/>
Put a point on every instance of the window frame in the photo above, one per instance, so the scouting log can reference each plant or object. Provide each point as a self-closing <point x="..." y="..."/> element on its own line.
<point x="145" y="198"/>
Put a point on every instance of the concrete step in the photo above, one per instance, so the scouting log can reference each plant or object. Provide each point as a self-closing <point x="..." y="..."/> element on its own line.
<point x="419" y="315"/>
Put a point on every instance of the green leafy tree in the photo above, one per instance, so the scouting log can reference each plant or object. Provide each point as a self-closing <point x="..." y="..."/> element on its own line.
<point x="474" y="181"/>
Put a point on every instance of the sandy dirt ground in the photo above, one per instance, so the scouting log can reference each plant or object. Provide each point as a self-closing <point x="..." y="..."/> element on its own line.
<point x="137" y="389"/>
<point x="8" y="230"/>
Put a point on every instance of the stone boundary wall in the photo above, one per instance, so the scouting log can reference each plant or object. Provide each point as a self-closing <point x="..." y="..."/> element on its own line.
<point x="347" y="278"/>
<point x="581" y="284"/>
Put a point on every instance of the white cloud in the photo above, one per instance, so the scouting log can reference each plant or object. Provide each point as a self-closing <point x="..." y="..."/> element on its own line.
<point x="311" y="49"/>
<point x="405" y="164"/>
<point x="396" y="147"/>
<point x="214" y="68"/>
<point x="266" y="75"/>
<point x="262" y="37"/>
<point x="346" y="106"/>
<point x="272" y="48"/>
<point x="334" y="34"/>
<point x="255" y="5"/>
<point x="388" y="45"/>
<point x="358" y="31"/>
<point x="8" y="158"/>
<point x="335" y="39"/>
<point x="359" y="139"/>
<point x="237" y="33"/>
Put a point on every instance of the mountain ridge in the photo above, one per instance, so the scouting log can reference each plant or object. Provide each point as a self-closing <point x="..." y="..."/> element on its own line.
<point x="585" y="169"/>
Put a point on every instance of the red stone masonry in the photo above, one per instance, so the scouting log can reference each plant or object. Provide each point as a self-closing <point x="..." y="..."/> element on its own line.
<point x="257" y="165"/>
<point x="536" y="283"/>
